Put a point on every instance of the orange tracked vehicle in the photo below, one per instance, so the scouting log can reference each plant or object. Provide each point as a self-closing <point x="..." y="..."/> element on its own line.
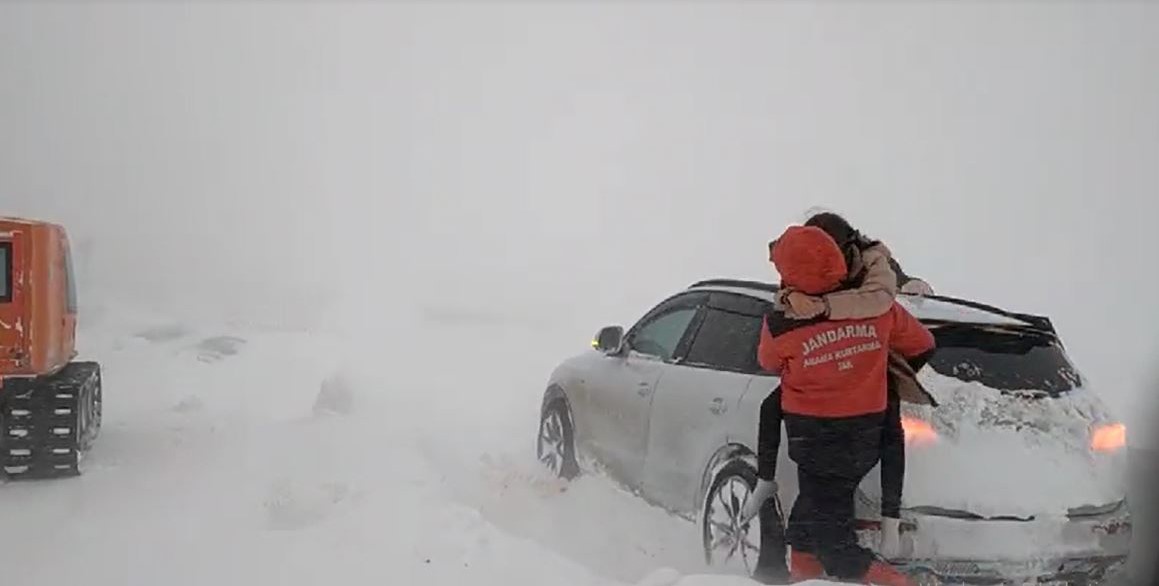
<point x="50" y="403"/>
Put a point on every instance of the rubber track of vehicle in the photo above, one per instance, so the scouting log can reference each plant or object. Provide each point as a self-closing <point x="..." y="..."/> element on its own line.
<point x="42" y="436"/>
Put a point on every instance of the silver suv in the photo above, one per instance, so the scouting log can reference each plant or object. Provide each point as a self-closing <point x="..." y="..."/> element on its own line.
<point x="1019" y="473"/>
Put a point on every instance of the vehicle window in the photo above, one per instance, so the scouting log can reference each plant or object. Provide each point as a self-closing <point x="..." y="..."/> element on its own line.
<point x="70" y="280"/>
<point x="661" y="335"/>
<point x="5" y="272"/>
<point x="727" y="341"/>
<point x="678" y="301"/>
<point x="1006" y="360"/>
<point x="738" y="303"/>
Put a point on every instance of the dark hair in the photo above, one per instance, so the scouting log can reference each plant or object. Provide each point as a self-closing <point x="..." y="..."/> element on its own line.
<point x="841" y="230"/>
<point x="836" y="227"/>
<point x="847" y="237"/>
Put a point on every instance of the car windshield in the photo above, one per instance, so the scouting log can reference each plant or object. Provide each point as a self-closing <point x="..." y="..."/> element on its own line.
<point x="1003" y="358"/>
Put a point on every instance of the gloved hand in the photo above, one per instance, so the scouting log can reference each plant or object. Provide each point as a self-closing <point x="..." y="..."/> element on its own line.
<point x="764" y="490"/>
<point x="890" y="544"/>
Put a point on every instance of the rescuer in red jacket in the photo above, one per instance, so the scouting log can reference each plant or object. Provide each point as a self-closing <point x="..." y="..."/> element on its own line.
<point x="833" y="385"/>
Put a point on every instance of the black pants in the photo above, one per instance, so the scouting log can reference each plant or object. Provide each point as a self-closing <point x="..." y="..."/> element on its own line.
<point x="832" y="457"/>
<point x="892" y="457"/>
<point x="772" y="566"/>
<point x="892" y="448"/>
<point x="769" y="435"/>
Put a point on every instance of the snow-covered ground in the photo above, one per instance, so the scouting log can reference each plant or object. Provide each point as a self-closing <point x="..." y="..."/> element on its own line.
<point x="235" y="454"/>
<point x="395" y="450"/>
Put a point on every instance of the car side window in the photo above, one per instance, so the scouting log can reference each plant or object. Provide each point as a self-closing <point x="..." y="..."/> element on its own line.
<point x="726" y="340"/>
<point x="661" y="335"/>
<point x="5" y="272"/>
<point x="70" y="279"/>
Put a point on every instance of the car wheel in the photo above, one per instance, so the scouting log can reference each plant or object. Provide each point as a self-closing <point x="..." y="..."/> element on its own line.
<point x="729" y="545"/>
<point x="555" y="446"/>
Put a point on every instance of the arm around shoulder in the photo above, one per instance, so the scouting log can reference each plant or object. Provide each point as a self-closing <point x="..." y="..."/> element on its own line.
<point x="876" y="294"/>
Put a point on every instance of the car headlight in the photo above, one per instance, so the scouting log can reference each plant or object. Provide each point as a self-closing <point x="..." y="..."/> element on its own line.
<point x="1109" y="437"/>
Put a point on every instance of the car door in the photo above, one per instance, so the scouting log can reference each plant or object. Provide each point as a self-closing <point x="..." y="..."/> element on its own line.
<point x="694" y="408"/>
<point x="621" y="386"/>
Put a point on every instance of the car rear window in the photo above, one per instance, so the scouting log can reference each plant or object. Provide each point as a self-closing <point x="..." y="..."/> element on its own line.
<point x="5" y="272"/>
<point x="1003" y="359"/>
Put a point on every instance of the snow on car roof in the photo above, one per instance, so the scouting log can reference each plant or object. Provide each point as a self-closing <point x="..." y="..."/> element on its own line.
<point x="923" y="308"/>
<point x="937" y="309"/>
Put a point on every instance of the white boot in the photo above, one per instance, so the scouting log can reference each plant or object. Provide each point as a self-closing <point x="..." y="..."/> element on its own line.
<point x="890" y="545"/>
<point x="760" y="494"/>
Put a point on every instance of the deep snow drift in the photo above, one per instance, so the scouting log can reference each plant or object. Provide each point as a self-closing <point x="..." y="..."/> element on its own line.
<point x="232" y="454"/>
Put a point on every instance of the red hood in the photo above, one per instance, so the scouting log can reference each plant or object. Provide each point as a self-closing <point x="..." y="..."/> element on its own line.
<point x="809" y="260"/>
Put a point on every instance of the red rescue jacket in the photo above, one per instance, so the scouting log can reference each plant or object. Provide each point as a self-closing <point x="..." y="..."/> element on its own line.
<point x="838" y="368"/>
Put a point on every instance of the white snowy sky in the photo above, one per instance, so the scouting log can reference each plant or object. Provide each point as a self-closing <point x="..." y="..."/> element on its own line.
<point x="569" y="165"/>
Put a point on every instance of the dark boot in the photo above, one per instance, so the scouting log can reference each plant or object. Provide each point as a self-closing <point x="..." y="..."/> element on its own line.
<point x="771" y="565"/>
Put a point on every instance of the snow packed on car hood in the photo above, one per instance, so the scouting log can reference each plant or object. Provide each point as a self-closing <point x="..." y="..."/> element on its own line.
<point x="1000" y="454"/>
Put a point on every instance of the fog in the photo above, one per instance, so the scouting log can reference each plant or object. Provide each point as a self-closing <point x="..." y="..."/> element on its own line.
<point x="566" y="165"/>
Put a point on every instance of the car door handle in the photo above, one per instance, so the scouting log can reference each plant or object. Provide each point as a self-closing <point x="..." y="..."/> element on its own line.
<point x="718" y="407"/>
<point x="643" y="389"/>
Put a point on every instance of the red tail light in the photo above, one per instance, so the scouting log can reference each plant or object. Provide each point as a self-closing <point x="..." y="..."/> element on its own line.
<point x="918" y="432"/>
<point x="1109" y="438"/>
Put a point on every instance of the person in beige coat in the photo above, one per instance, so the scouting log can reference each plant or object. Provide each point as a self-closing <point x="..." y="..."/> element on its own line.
<point x="875" y="280"/>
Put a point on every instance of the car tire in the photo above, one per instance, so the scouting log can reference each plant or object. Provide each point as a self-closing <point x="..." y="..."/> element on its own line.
<point x="727" y="545"/>
<point x="555" y="442"/>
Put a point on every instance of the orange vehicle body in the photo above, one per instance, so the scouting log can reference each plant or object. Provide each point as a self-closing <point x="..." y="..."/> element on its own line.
<point x="38" y="312"/>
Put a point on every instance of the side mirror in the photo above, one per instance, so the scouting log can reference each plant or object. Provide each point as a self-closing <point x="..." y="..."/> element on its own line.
<point x="609" y="340"/>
